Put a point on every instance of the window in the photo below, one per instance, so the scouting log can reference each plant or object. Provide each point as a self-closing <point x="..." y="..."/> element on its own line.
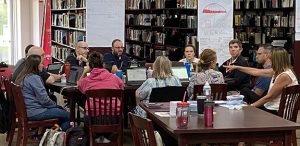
<point x="5" y="33"/>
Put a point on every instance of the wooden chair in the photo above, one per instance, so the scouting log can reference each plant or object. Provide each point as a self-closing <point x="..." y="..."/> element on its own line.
<point x="166" y="94"/>
<point x="142" y="131"/>
<point x="12" y="110"/>
<point x="105" y="114"/>
<point x="23" y="124"/>
<point x="218" y="91"/>
<point x="289" y="106"/>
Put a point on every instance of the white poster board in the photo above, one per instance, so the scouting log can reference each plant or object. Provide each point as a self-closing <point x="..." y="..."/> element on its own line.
<point x="297" y="21"/>
<point x="215" y="30"/>
<point x="105" y="22"/>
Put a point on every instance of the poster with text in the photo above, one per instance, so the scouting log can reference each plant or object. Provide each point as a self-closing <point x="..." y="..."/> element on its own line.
<point x="215" y="30"/>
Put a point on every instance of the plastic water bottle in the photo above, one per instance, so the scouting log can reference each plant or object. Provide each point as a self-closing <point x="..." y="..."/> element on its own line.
<point x="207" y="90"/>
<point x="63" y="79"/>
<point x="149" y="72"/>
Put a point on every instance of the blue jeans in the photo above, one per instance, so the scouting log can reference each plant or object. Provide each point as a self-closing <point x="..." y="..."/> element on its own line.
<point x="52" y="113"/>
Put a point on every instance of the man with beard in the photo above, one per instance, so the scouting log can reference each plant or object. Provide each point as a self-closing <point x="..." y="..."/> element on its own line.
<point x="116" y="59"/>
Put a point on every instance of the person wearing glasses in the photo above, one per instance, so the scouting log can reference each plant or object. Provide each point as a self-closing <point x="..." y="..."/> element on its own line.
<point x="79" y="57"/>
<point x="116" y="60"/>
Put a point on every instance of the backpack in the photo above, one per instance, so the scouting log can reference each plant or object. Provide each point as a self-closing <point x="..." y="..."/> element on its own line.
<point x="4" y="116"/>
<point x="76" y="137"/>
<point x="53" y="137"/>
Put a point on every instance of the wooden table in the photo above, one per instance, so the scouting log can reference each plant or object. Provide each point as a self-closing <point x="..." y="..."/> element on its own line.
<point x="248" y="125"/>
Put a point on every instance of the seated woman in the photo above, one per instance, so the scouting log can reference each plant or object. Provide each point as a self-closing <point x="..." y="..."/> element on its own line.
<point x="282" y="76"/>
<point x="37" y="102"/>
<point x="161" y="77"/>
<point x="189" y="53"/>
<point x="206" y="72"/>
<point x="99" y="78"/>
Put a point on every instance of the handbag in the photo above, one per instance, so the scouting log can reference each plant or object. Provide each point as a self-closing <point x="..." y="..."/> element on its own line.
<point x="53" y="137"/>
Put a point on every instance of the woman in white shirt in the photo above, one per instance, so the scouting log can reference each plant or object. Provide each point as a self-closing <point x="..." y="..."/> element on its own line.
<point x="189" y="53"/>
<point x="282" y="76"/>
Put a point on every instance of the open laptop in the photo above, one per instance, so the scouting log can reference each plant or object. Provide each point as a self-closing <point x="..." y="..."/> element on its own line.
<point x="136" y="76"/>
<point x="54" y="68"/>
<point x="181" y="73"/>
<point x="75" y="74"/>
<point x="177" y="64"/>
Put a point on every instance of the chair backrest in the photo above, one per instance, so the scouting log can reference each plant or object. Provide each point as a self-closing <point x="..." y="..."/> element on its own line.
<point x="142" y="131"/>
<point x="289" y="103"/>
<point x="105" y="106"/>
<point x="6" y="72"/>
<point x="166" y="94"/>
<point x="19" y="104"/>
<point x="218" y="91"/>
<point x="9" y="97"/>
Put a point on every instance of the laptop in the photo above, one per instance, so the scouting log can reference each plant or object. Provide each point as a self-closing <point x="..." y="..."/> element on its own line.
<point x="54" y="68"/>
<point x="181" y="73"/>
<point x="177" y="64"/>
<point x="136" y="76"/>
<point x="74" y="76"/>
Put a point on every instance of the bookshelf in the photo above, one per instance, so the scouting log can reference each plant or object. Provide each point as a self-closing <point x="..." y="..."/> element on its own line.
<point x="264" y="21"/>
<point x="160" y="27"/>
<point x="68" y="25"/>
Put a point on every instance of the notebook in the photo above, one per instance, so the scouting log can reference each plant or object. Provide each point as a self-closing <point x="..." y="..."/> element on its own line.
<point x="181" y="73"/>
<point x="54" y="68"/>
<point x="136" y="76"/>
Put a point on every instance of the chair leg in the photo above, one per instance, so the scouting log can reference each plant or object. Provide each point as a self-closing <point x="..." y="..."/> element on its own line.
<point x="19" y="136"/>
<point x="25" y="136"/>
<point x="91" y="138"/>
<point x="294" y="138"/>
<point x="11" y="132"/>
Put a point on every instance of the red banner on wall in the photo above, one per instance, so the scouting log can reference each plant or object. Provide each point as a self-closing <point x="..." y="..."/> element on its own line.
<point x="46" y="32"/>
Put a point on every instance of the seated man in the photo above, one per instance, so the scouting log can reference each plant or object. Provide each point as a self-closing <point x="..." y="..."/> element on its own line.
<point x="79" y="57"/>
<point x="116" y="57"/>
<point x="261" y="87"/>
<point x="239" y="80"/>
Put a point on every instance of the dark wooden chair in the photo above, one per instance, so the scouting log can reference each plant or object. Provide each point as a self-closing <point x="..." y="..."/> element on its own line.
<point x="218" y="91"/>
<point x="289" y="106"/>
<point x="166" y="94"/>
<point x="12" y="110"/>
<point x="23" y="124"/>
<point x="142" y="131"/>
<point x="105" y="115"/>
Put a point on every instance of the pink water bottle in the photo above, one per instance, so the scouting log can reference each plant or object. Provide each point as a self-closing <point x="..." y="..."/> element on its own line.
<point x="208" y="113"/>
<point x="182" y="114"/>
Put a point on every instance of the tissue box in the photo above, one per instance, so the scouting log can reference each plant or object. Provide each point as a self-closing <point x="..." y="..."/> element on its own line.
<point x="235" y="99"/>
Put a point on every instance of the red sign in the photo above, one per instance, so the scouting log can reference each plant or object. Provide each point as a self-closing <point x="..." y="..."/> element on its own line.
<point x="46" y="33"/>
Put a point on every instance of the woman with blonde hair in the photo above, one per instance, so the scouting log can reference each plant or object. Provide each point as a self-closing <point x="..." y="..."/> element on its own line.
<point x="282" y="76"/>
<point x="205" y="71"/>
<point x="161" y="77"/>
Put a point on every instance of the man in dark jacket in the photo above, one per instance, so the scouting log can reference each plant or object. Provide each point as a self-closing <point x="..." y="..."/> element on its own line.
<point x="236" y="80"/>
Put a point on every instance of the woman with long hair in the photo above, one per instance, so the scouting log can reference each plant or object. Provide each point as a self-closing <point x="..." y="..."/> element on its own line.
<point x="282" y="76"/>
<point x="37" y="102"/>
<point x="205" y="71"/>
<point x="161" y="77"/>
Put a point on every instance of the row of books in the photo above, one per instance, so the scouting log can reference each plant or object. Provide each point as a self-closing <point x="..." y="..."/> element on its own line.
<point x="74" y="20"/>
<point x="185" y="21"/>
<point x="272" y="20"/>
<point x="257" y="4"/>
<point x="259" y="37"/>
<point x="67" y="4"/>
<point x="60" y="52"/>
<point x="69" y="38"/>
<point x="145" y="36"/>
<point x="187" y="4"/>
<point x="145" y="4"/>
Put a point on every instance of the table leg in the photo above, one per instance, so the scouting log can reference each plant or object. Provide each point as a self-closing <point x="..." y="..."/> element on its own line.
<point x="287" y="138"/>
<point x="181" y="141"/>
<point x="72" y="109"/>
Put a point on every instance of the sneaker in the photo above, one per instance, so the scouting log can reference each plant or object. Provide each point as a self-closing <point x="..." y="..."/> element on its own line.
<point x="102" y="139"/>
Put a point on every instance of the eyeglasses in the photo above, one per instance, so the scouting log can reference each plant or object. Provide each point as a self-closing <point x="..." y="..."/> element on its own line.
<point x="85" y="48"/>
<point x="119" y="47"/>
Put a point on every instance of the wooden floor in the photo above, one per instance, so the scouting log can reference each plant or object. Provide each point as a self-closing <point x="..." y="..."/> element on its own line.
<point x="127" y="137"/>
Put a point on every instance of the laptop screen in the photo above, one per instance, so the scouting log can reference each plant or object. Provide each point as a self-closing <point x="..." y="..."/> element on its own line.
<point x="75" y="74"/>
<point x="136" y="74"/>
<point x="180" y="72"/>
<point x="54" y="68"/>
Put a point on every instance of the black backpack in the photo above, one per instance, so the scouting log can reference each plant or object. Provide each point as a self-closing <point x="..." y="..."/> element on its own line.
<point x="4" y="113"/>
<point x="76" y="136"/>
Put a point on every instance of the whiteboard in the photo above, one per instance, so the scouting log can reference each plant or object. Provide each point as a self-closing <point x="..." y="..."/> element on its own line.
<point x="215" y="28"/>
<point x="105" y="22"/>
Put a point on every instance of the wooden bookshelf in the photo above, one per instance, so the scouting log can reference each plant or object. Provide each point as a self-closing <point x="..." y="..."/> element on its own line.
<point x="159" y="27"/>
<point x="264" y="22"/>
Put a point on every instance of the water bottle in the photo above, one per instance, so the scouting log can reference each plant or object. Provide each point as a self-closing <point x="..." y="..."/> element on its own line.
<point x="182" y="114"/>
<point x="63" y="79"/>
<point x="207" y="90"/>
<point x="208" y="113"/>
<point x="149" y="72"/>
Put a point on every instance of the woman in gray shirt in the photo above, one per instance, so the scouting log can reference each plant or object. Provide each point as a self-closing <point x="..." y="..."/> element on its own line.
<point x="37" y="102"/>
